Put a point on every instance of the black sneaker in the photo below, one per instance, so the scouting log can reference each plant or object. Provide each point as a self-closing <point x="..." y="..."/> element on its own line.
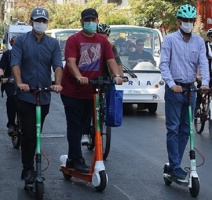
<point x="183" y="171"/>
<point x="11" y="130"/>
<point x="70" y="164"/>
<point x="178" y="173"/>
<point x="78" y="165"/>
<point x="23" y="173"/>
<point x="29" y="176"/>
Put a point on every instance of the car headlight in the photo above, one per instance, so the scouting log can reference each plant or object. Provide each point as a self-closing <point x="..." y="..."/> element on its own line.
<point x="161" y="82"/>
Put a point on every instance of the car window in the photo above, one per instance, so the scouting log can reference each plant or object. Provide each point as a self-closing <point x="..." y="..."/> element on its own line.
<point x="62" y="36"/>
<point x="125" y="37"/>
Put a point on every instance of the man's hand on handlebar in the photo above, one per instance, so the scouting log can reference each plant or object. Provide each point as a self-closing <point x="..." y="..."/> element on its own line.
<point x="118" y="80"/>
<point x="177" y="89"/>
<point x="204" y="88"/>
<point x="23" y="87"/>
<point x="4" y="79"/>
<point x="82" y="80"/>
<point x="57" y="88"/>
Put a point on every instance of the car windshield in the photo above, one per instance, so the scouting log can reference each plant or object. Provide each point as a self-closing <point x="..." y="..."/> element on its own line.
<point x="12" y="34"/>
<point x="138" y="47"/>
<point x="62" y="36"/>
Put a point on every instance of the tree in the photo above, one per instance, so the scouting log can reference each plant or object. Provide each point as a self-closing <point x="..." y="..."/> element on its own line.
<point x="198" y="27"/>
<point x="24" y="8"/>
<point x="157" y="13"/>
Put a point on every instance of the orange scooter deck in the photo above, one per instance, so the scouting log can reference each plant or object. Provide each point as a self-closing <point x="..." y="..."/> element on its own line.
<point x="73" y="173"/>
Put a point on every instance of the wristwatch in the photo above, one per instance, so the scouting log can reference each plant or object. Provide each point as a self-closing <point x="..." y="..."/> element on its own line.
<point x="117" y="76"/>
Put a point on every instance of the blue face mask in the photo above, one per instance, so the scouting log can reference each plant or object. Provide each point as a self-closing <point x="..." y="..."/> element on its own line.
<point x="90" y="27"/>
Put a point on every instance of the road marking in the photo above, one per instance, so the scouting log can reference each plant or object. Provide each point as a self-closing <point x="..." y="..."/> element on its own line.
<point x="52" y="135"/>
<point x="123" y="192"/>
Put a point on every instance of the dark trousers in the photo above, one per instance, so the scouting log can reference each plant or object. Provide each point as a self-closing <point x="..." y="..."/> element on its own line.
<point x="78" y="114"/>
<point x="27" y="113"/>
<point x="10" y="103"/>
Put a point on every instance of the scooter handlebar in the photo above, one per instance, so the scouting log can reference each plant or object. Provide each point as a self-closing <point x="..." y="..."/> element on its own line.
<point x="35" y="90"/>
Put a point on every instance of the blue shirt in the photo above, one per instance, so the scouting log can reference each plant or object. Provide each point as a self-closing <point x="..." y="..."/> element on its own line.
<point x="35" y="60"/>
<point x="180" y="59"/>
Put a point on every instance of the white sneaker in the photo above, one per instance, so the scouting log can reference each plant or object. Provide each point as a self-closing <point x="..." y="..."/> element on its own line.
<point x="85" y="140"/>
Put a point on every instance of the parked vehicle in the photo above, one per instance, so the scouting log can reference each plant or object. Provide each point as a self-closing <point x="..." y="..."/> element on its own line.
<point x="61" y="35"/>
<point x="14" y="30"/>
<point x="145" y="87"/>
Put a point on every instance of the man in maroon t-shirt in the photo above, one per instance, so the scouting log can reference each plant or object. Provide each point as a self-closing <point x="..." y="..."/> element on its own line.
<point x="85" y="53"/>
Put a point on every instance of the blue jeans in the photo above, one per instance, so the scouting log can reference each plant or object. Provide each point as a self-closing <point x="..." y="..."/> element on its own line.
<point x="78" y="112"/>
<point x="177" y="124"/>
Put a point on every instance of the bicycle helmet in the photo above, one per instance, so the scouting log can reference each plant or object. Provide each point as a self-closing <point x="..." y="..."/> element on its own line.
<point x="209" y="32"/>
<point x="187" y="11"/>
<point x="103" y="28"/>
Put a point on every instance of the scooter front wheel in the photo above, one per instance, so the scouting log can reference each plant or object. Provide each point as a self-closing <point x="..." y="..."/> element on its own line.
<point x="194" y="190"/>
<point x="103" y="181"/>
<point x="199" y="120"/>
<point x="39" y="190"/>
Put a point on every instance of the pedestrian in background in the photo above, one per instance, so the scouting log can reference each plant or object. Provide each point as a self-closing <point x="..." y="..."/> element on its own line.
<point x="9" y="87"/>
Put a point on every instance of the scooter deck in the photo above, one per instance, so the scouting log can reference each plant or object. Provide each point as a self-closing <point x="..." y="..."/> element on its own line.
<point x="184" y="182"/>
<point x="82" y="176"/>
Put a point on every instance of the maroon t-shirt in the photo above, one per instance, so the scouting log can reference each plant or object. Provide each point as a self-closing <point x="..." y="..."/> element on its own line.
<point x="90" y="54"/>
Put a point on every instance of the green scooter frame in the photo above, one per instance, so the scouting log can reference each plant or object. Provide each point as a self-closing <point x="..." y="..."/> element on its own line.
<point x="38" y="186"/>
<point x="192" y="179"/>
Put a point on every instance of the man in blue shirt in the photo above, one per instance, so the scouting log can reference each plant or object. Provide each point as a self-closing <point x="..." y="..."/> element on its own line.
<point x="182" y="53"/>
<point x="140" y="55"/>
<point x="32" y="57"/>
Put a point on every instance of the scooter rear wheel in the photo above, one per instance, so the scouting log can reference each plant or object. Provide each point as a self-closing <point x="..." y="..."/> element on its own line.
<point x="39" y="190"/>
<point x="165" y="170"/>
<point x="66" y="176"/>
<point x="194" y="190"/>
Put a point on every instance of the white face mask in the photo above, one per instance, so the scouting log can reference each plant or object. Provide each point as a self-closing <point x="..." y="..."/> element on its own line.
<point x="187" y="27"/>
<point x="39" y="27"/>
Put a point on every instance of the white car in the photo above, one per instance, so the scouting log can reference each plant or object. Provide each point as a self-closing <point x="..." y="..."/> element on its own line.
<point x="61" y="35"/>
<point x="145" y="86"/>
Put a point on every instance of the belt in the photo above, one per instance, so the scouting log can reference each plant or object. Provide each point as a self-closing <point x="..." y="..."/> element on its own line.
<point x="184" y="84"/>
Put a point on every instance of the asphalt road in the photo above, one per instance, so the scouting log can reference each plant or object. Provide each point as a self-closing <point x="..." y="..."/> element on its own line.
<point x="134" y="165"/>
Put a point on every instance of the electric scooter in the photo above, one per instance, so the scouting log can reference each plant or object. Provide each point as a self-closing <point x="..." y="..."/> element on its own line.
<point x="38" y="186"/>
<point x="192" y="179"/>
<point x="97" y="174"/>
